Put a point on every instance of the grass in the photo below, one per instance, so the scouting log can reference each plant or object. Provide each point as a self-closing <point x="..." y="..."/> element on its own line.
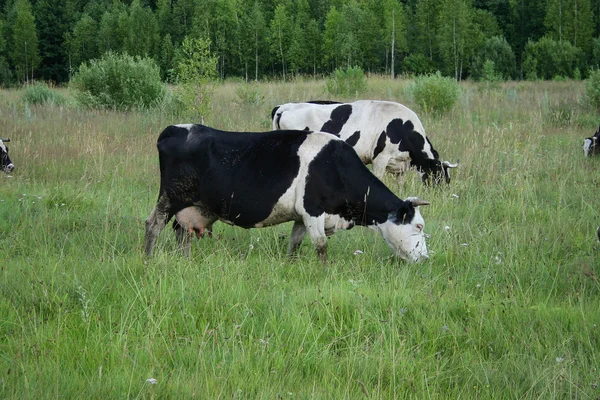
<point x="507" y="307"/>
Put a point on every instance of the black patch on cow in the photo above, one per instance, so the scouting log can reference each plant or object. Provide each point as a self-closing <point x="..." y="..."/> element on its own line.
<point x="380" y="145"/>
<point x="594" y="143"/>
<point x="306" y="129"/>
<point x="338" y="183"/>
<point x="405" y="213"/>
<point x="339" y="116"/>
<point x="324" y="102"/>
<point x="4" y="158"/>
<point x="276" y="117"/>
<point x="352" y="140"/>
<point x="235" y="176"/>
<point x="413" y="142"/>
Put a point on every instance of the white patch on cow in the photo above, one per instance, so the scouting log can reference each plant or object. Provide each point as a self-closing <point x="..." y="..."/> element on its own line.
<point x="185" y="126"/>
<point x="2" y="146"/>
<point x="290" y="206"/>
<point x="407" y="241"/>
<point x="587" y="145"/>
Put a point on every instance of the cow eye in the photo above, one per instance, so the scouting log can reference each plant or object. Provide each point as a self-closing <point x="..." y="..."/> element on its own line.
<point x="419" y="227"/>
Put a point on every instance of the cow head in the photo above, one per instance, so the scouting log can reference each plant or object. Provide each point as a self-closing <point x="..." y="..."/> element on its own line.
<point x="5" y="164"/>
<point x="591" y="145"/>
<point x="403" y="230"/>
<point x="436" y="171"/>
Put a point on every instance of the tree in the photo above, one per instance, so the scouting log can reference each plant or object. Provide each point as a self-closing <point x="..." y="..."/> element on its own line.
<point x="142" y="33"/>
<point x="196" y="68"/>
<point x="314" y="43"/>
<point x="52" y="24"/>
<point x="426" y="16"/>
<point x="280" y="35"/>
<point x="394" y="30"/>
<point x="333" y="38"/>
<point x="82" y="43"/>
<point x="112" y="33"/>
<point x="498" y="51"/>
<point x="455" y="26"/>
<point x="24" y="52"/>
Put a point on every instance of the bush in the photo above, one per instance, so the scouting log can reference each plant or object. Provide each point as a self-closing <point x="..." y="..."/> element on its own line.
<point x="40" y="93"/>
<point x="547" y="58"/>
<point x="497" y="50"/>
<point x="435" y="92"/>
<point x="592" y="89"/>
<point x="349" y="81"/>
<point x="119" y="81"/>
<point x="195" y="71"/>
<point x="249" y="93"/>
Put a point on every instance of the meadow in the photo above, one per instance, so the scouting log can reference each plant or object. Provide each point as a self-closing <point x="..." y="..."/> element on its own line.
<point x="508" y="306"/>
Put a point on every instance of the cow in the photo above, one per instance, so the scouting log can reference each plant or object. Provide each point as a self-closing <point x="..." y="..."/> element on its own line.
<point x="591" y="145"/>
<point x="386" y="134"/>
<point x="259" y="179"/>
<point x="5" y="163"/>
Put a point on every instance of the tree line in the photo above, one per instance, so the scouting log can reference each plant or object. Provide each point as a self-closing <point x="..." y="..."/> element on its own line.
<point x="256" y="39"/>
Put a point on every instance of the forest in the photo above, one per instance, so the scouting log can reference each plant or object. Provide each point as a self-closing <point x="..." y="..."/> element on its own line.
<point x="259" y="39"/>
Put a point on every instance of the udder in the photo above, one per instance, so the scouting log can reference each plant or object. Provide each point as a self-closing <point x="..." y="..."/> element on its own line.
<point x="192" y="221"/>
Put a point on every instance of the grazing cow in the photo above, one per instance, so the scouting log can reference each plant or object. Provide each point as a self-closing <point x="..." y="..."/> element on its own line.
<point x="383" y="133"/>
<point x="260" y="179"/>
<point x="5" y="164"/>
<point x="591" y="145"/>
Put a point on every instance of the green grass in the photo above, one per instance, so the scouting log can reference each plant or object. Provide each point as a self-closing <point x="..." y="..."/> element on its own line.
<point x="507" y="307"/>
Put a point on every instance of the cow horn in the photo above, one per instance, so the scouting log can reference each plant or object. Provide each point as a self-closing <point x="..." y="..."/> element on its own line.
<point x="416" y="202"/>
<point x="448" y="164"/>
<point x="5" y="140"/>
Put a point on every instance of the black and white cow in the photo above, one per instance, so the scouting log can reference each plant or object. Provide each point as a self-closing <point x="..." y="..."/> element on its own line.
<point x="5" y="164"/>
<point x="386" y="134"/>
<point x="591" y="145"/>
<point x="260" y="179"/>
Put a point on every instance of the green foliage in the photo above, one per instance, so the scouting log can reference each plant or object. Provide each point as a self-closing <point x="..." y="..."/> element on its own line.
<point x="497" y="50"/>
<point x="250" y="94"/>
<point x="118" y="81"/>
<point x="418" y="64"/>
<point x="24" y="51"/>
<point x="548" y="58"/>
<point x="435" y="93"/>
<point x="195" y="71"/>
<point x="40" y="93"/>
<point x="349" y="81"/>
<point x="592" y="89"/>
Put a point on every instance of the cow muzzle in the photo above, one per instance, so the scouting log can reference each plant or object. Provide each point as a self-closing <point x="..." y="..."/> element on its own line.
<point x="9" y="168"/>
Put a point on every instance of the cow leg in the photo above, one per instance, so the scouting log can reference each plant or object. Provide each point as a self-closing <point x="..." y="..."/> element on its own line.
<point x="298" y="233"/>
<point x="155" y="223"/>
<point x="315" y="228"/>
<point x="379" y="166"/>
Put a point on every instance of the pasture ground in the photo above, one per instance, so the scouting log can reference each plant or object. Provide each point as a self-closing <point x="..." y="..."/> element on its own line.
<point x="507" y="307"/>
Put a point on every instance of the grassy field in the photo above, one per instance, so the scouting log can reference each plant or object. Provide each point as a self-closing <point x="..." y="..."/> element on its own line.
<point x="508" y="306"/>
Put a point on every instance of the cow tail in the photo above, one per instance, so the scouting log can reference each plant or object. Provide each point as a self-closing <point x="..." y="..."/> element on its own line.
<point x="276" y="117"/>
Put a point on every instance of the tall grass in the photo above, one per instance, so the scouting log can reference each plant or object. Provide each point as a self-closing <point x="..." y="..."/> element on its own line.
<point x="507" y="307"/>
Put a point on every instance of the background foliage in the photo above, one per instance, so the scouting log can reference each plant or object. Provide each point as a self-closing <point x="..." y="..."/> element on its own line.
<point x="255" y="39"/>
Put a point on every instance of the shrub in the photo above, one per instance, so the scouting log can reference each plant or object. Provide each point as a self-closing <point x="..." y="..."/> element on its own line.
<point x="497" y="50"/>
<point x="349" y="81"/>
<point x="548" y="58"/>
<point x="40" y="93"/>
<point x="249" y="93"/>
<point x="435" y="92"/>
<point x="592" y="89"/>
<point x="195" y="71"/>
<point x="119" y="81"/>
